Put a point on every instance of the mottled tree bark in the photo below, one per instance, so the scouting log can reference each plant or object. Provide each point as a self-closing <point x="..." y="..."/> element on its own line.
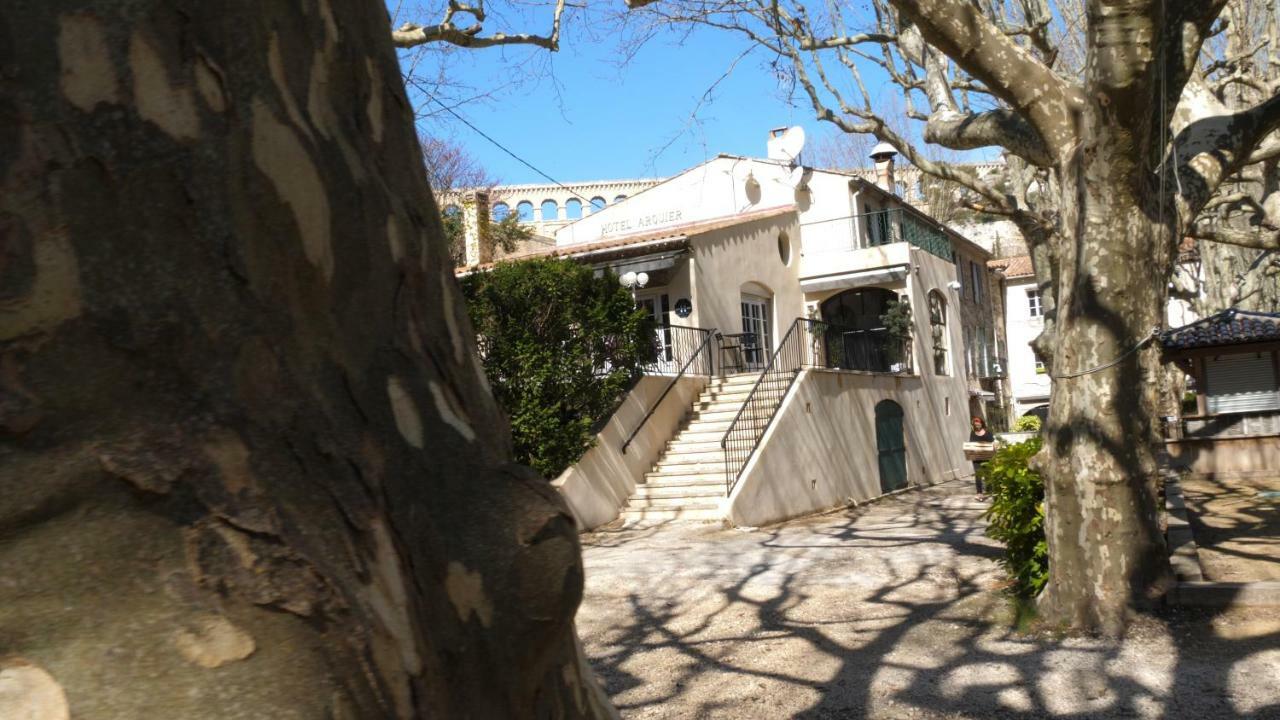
<point x="249" y="465"/>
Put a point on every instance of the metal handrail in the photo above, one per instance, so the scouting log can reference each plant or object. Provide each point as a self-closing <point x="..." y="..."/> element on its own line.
<point x="709" y="334"/>
<point x="781" y="355"/>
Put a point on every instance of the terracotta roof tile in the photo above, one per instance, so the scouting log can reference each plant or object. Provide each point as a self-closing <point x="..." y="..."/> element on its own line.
<point x="655" y="239"/>
<point x="1013" y="267"/>
<point x="1230" y="327"/>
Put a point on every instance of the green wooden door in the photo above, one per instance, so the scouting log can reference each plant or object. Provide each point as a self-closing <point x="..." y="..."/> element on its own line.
<point x="891" y="446"/>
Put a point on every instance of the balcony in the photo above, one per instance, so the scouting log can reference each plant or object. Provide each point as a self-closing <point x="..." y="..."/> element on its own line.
<point x="840" y="348"/>
<point x="895" y="225"/>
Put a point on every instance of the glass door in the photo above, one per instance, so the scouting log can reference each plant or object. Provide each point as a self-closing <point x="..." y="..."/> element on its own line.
<point x="757" y="339"/>
<point x="658" y="307"/>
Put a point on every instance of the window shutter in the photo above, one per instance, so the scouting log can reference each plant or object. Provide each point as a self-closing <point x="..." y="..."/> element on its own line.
<point x="1241" y="383"/>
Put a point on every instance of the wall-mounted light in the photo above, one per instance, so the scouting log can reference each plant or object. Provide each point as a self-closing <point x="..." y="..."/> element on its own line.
<point x="954" y="284"/>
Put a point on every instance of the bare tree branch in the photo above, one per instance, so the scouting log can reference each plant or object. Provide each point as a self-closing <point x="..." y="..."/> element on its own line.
<point x="447" y="31"/>
<point x="1027" y="85"/>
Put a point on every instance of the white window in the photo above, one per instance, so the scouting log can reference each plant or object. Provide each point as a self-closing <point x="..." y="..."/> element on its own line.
<point x="1241" y="383"/>
<point x="1033" y="303"/>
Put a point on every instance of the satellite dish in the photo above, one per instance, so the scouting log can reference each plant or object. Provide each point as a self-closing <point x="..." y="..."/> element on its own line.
<point x="791" y="143"/>
<point x="795" y="178"/>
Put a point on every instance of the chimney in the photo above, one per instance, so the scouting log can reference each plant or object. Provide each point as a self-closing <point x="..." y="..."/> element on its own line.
<point x="475" y="227"/>
<point x="774" y="145"/>
<point x="883" y="154"/>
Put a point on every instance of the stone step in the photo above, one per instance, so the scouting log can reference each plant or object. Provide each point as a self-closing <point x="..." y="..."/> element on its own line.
<point x="714" y="469"/>
<point x="705" y="427"/>
<point x="688" y="512"/>
<point x="703" y="405"/>
<point x="679" y="456"/>
<point x="685" y="473"/>
<point x="652" y="480"/>
<point x="726" y="415"/>
<point x="700" y="435"/>
<point x="684" y="447"/>
<point x="675" y="501"/>
<point x="685" y="490"/>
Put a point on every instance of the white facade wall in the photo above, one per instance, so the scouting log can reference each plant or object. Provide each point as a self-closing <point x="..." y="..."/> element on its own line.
<point x="720" y="188"/>
<point x="1029" y="387"/>
<point x="596" y="487"/>
<point x="744" y="259"/>
<point x="820" y="450"/>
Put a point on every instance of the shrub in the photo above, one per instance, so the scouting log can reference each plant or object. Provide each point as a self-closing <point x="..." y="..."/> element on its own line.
<point x="560" y="346"/>
<point x="1016" y="515"/>
<point x="1027" y="423"/>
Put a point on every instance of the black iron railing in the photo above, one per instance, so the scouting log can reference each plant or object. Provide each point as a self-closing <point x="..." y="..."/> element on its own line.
<point x="675" y="345"/>
<point x="874" y="350"/>
<point x="698" y="359"/>
<point x="896" y="225"/>
<point x="762" y="402"/>
<point x="808" y="343"/>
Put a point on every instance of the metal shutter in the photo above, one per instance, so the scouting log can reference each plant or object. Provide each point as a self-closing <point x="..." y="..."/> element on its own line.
<point x="1241" y="383"/>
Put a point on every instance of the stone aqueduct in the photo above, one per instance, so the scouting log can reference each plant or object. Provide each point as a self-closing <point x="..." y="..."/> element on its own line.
<point x="550" y="206"/>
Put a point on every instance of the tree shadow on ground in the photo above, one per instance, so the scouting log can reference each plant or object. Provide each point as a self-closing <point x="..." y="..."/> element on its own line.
<point x="891" y="610"/>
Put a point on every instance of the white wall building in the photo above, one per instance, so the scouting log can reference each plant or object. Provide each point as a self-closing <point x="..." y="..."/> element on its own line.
<point x="787" y="274"/>
<point x="1029" y="383"/>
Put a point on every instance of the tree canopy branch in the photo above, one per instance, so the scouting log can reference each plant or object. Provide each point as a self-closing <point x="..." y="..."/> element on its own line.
<point x="447" y="31"/>
<point x="1006" y="69"/>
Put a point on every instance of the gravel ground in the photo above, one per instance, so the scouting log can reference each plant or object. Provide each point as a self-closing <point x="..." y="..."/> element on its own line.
<point x="891" y="610"/>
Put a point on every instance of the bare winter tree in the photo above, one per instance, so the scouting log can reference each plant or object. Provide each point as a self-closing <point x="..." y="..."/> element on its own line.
<point x="1117" y="144"/>
<point x="434" y="36"/>
<point x="450" y="167"/>
<point x="1242" y="68"/>
<point x="249" y="465"/>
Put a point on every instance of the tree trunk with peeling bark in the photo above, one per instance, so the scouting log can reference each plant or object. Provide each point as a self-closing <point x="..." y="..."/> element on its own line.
<point x="249" y="464"/>
<point x="1098" y="461"/>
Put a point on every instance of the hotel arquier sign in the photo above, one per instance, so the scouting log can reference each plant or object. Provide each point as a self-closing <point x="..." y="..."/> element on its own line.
<point x="642" y="222"/>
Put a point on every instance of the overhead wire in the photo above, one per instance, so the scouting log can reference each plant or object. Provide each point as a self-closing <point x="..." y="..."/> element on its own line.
<point x="504" y="149"/>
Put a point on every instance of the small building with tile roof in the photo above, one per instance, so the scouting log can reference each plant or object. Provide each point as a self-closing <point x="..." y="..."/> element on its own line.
<point x="1233" y="358"/>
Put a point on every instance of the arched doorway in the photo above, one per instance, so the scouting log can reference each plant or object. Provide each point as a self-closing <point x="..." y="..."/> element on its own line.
<point x="857" y="338"/>
<point x="891" y="446"/>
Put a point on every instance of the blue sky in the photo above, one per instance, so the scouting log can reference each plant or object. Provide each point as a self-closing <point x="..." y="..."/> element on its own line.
<point x="585" y="116"/>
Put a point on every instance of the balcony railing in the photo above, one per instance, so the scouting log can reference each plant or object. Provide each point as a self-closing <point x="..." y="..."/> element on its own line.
<point x="894" y="225"/>
<point x="675" y="346"/>
<point x="808" y="343"/>
<point x="692" y="348"/>
<point x="842" y="348"/>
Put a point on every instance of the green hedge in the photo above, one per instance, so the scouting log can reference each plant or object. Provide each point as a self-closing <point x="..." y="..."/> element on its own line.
<point x="1016" y="515"/>
<point x="560" y="345"/>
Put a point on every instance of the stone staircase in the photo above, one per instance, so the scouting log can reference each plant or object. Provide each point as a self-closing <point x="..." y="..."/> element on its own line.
<point x="688" y="481"/>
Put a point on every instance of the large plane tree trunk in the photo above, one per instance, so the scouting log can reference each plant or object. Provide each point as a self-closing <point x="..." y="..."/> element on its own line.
<point x="1107" y="271"/>
<point x="1111" y="261"/>
<point x="249" y="465"/>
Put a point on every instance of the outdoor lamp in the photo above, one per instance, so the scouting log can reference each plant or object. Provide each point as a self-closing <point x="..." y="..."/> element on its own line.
<point x="629" y="279"/>
<point x="642" y="279"/>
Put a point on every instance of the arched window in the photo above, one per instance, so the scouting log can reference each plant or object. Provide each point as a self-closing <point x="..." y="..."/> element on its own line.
<point x="550" y="211"/>
<point x="500" y="211"/>
<point x="573" y="209"/>
<point x="597" y="204"/>
<point x="938" y="329"/>
<point x="524" y="211"/>
<point x="620" y="198"/>
<point x="856" y="337"/>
